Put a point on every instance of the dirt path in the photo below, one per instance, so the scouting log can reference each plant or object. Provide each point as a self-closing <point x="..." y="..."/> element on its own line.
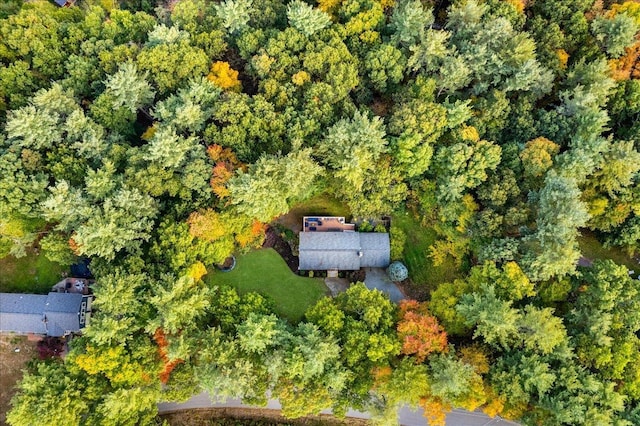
<point x="236" y="416"/>
<point x="406" y="415"/>
<point x="11" y="365"/>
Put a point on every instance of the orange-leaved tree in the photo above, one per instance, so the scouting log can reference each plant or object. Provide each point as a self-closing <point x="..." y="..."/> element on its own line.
<point x="168" y="364"/>
<point x="419" y="331"/>
<point x="226" y="163"/>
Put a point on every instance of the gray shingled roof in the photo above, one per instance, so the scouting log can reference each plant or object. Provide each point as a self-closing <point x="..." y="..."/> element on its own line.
<point x="378" y="250"/>
<point x="22" y="313"/>
<point x="62" y="311"/>
<point x="340" y="250"/>
<point x="26" y="313"/>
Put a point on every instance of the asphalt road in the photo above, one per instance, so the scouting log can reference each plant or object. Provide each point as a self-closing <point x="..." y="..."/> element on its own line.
<point x="407" y="416"/>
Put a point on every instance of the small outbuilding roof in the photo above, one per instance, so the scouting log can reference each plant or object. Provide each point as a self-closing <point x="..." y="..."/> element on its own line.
<point x="348" y="251"/>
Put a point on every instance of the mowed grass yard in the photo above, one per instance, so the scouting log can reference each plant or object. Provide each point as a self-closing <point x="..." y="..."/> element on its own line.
<point x="265" y="272"/>
<point x="422" y="271"/>
<point x="33" y="273"/>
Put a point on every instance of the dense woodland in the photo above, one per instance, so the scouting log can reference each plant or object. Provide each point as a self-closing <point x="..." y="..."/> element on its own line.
<point x="158" y="138"/>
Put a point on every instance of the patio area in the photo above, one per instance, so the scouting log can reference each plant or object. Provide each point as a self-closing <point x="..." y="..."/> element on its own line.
<point x="326" y="224"/>
<point x="73" y="285"/>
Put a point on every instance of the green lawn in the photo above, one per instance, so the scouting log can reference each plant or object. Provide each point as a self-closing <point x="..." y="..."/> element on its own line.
<point x="29" y="274"/>
<point x="416" y="254"/>
<point x="265" y="272"/>
<point x="592" y="249"/>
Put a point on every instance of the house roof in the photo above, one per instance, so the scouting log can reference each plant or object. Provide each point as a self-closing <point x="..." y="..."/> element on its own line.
<point x="63" y="302"/>
<point x="378" y="250"/>
<point x="343" y="250"/>
<point x="54" y="314"/>
<point x="22" y="303"/>
<point x="22" y="313"/>
<point x="63" y="311"/>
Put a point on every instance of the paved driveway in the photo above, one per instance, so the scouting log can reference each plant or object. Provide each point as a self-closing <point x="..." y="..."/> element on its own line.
<point x="377" y="278"/>
<point x="406" y="416"/>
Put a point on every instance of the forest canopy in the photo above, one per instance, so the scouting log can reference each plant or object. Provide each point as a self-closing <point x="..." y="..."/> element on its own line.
<point x="158" y="138"/>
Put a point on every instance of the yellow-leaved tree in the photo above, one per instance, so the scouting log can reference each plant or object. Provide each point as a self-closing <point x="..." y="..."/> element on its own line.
<point x="225" y="77"/>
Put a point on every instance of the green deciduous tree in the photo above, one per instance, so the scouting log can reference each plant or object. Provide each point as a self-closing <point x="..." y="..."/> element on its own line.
<point x="260" y="193"/>
<point x="416" y="123"/>
<point x="626" y="235"/>
<point x="234" y="14"/>
<point x="540" y="330"/>
<point x="552" y="249"/>
<point x="362" y="320"/>
<point x="306" y="19"/>
<point x="129" y="89"/>
<point x="381" y="190"/>
<point x="352" y="147"/>
<point x="37" y="34"/>
<point x="248" y="125"/>
<point x="494" y="319"/>
<point x="603" y="320"/>
<point x="443" y="302"/>
<point x="409" y="22"/>
<point x="537" y="157"/>
<point x="456" y="382"/>
<point x="463" y="166"/>
<point x="616" y="33"/>
<point x="172" y="62"/>
<point x="60" y="400"/>
<point x="385" y="67"/>
<point x="17" y="84"/>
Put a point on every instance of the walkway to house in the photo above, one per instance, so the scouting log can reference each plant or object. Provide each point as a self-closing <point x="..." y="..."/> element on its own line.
<point x="377" y="278"/>
<point x="336" y="285"/>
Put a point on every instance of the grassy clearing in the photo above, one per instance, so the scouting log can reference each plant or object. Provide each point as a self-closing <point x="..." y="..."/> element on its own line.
<point x="29" y="274"/>
<point x="320" y="205"/>
<point x="416" y="254"/>
<point x="592" y="249"/>
<point x="265" y="272"/>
